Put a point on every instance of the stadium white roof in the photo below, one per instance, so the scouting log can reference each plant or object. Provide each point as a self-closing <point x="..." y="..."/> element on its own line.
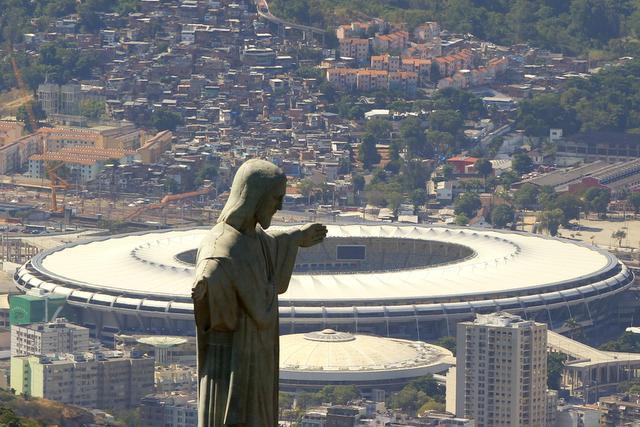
<point x="146" y="265"/>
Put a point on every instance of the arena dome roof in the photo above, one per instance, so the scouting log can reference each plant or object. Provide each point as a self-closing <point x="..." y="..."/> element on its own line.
<point x="329" y="356"/>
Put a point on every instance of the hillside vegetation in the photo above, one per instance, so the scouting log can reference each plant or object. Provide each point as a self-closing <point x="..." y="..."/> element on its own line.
<point x="569" y="26"/>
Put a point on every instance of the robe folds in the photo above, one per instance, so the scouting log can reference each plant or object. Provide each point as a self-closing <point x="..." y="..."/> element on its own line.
<point x="235" y="296"/>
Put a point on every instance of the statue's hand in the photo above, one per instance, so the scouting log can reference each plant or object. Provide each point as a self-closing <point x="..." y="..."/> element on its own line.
<point x="312" y="234"/>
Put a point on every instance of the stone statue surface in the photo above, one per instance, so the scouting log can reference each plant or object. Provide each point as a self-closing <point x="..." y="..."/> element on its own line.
<point x="240" y="270"/>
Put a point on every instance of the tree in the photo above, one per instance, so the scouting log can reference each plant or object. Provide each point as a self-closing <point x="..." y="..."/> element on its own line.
<point x="447" y="342"/>
<point x="508" y="178"/>
<point x="30" y="114"/>
<point x="367" y="152"/>
<point x="416" y="394"/>
<point x="306" y="187"/>
<point x="467" y="204"/>
<point x="597" y="200"/>
<point x="163" y="119"/>
<point x="461" y="219"/>
<point x="555" y="366"/>
<point x="419" y="197"/>
<point x="344" y="394"/>
<point x="526" y="197"/>
<point x="573" y="328"/>
<point x="501" y="216"/>
<point x="358" y="183"/>
<point x="547" y="196"/>
<point x="208" y="171"/>
<point x="634" y="199"/>
<point x="619" y="235"/>
<point x="443" y="143"/>
<point x="447" y="171"/>
<point x="550" y="221"/>
<point x="92" y="109"/>
<point x="521" y="163"/>
<point x="9" y="418"/>
<point x="449" y="121"/>
<point x="484" y="168"/>
<point x="414" y="139"/>
<point x="570" y="206"/>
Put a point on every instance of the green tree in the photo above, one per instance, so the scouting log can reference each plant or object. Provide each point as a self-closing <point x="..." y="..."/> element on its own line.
<point x="208" y="171"/>
<point x="443" y="143"/>
<point x="596" y="200"/>
<point x="9" y="418"/>
<point x="555" y="365"/>
<point x="550" y="221"/>
<point x="306" y="188"/>
<point x="574" y="328"/>
<point x="344" y="394"/>
<point x="526" y="197"/>
<point x="163" y="119"/>
<point x="358" y="183"/>
<point x="461" y="219"/>
<point x="447" y="342"/>
<point x="92" y="108"/>
<point x="619" y="235"/>
<point x="502" y="215"/>
<point x="447" y="171"/>
<point x="30" y="114"/>
<point x="414" y="139"/>
<point x="367" y="152"/>
<point x="484" y="168"/>
<point x="634" y="199"/>
<point x="467" y="204"/>
<point x="418" y="197"/>
<point x="546" y="197"/>
<point x="521" y="163"/>
<point x="570" y="206"/>
<point x="449" y="121"/>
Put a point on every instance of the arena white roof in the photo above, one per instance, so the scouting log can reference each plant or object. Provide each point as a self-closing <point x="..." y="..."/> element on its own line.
<point x="330" y="355"/>
<point x="145" y="265"/>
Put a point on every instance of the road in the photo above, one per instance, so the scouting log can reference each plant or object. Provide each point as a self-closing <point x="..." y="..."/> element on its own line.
<point x="263" y="11"/>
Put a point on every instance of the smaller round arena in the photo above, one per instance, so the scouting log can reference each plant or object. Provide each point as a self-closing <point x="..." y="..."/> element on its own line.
<point x="313" y="360"/>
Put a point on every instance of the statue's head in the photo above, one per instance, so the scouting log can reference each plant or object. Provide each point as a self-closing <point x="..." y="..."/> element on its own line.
<point x="256" y="194"/>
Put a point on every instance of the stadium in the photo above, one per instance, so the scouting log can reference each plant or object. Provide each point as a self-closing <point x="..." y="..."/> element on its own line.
<point x="315" y="359"/>
<point x="398" y="281"/>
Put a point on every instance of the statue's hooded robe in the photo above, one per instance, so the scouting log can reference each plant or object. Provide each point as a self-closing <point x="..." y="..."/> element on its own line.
<point x="235" y="295"/>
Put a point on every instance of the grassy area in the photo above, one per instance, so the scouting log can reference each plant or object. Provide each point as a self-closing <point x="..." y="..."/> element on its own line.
<point x="35" y="412"/>
<point x="12" y="100"/>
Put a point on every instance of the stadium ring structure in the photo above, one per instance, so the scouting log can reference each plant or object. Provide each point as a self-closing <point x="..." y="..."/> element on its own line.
<point x="400" y="281"/>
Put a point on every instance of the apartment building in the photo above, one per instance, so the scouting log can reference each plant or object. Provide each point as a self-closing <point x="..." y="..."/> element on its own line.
<point x="169" y="410"/>
<point x="396" y="40"/>
<point x="59" y="336"/>
<point x="355" y="48"/>
<point x="502" y="371"/>
<point x="83" y="163"/>
<point x="108" y="380"/>
<point x="10" y="131"/>
<point x="365" y="79"/>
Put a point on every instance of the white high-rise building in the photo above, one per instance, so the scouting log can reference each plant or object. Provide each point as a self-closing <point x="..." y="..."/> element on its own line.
<point x="501" y="371"/>
<point x="45" y="338"/>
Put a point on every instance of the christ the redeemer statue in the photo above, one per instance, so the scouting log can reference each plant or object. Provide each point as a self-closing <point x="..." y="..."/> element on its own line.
<point x="240" y="270"/>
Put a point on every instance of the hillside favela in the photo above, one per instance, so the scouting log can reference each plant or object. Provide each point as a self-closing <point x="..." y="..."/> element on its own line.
<point x="462" y="182"/>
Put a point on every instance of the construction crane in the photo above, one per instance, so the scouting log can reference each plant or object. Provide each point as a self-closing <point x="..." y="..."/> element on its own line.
<point x="56" y="182"/>
<point x="23" y="88"/>
<point x="169" y="198"/>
